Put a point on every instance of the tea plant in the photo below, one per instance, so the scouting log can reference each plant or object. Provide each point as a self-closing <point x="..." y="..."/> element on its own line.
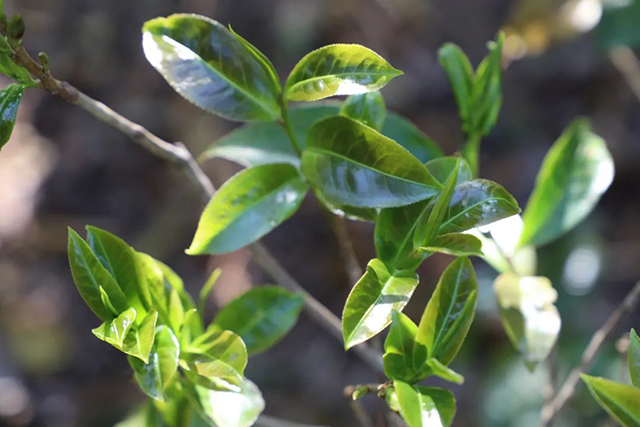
<point x="361" y="162"/>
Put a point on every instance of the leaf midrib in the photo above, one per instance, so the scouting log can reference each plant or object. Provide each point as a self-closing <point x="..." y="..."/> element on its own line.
<point x="453" y="218"/>
<point x="309" y="80"/>
<point x="449" y="309"/>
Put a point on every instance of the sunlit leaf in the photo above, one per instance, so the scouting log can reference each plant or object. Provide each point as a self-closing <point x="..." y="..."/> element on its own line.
<point x="619" y="400"/>
<point x="225" y="346"/>
<point x="577" y="170"/>
<point x="154" y="377"/>
<point x="350" y="212"/>
<point x="425" y="406"/>
<point x="266" y="63"/>
<point x="528" y="315"/>
<point x="139" y="340"/>
<point x="193" y="54"/>
<point x="398" y="349"/>
<point x="231" y="408"/>
<point x="456" y="244"/>
<point x="458" y="69"/>
<point x="264" y="143"/>
<point x="438" y="369"/>
<point x="487" y="89"/>
<point x="477" y="203"/>
<point x="367" y="108"/>
<point x="357" y="166"/>
<point x="449" y="314"/>
<point x="373" y="299"/>
<point x="122" y="263"/>
<point x="261" y="316"/>
<point x="338" y="69"/>
<point x="14" y="71"/>
<point x="9" y="102"/>
<point x="114" y="331"/>
<point x="247" y="207"/>
<point x="90" y="275"/>
<point x="442" y="167"/>
<point x="634" y="358"/>
<point x="410" y="137"/>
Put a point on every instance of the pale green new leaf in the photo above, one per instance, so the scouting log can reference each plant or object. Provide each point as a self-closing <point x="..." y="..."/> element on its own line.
<point x="221" y="345"/>
<point x="398" y="349"/>
<point x="209" y="66"/>
<point x="425" y="406"/>
<point x="247" y="207"/>
<point x="487" y="89"/>
<point x="576" y="171"/>
<point x="14" y="71"/>
<point x="438" y="369"/>
<point x="373" y="299"/>
<point x="9" y="102"/>
<point x="154" y="377"/>
<point x="456" y="244"/>
<point x="261" y="316"/>
<point x="458" y="69"/>
<point x="114" y="331"/>
<point x="634" y="358"/>
<point x="367" y="108"/>
<point x="231" y="408"/>
<point x="357" y="166"/>
<point x="619" y="400"/>
<point x="338" y="69"/>
<point x="528" y="315"/>
<point x="449" y="314"/>
<point x="139" y="340"/>
<point x="90" y="275"/>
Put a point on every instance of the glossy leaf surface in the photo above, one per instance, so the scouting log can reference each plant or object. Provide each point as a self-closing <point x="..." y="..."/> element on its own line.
<point x="367" y="108"/>
<point x="438" y="369"/>
<point x="424" y="406"/>
<point x="619" y="400"/>
<point x="114" y="331"/>
<point x="410" y="137"/>
<point x="154" y="377"/>
<point x="442" y="167"/>
<point x="449" y="314"/>
<point x="261" y="316"/>
<point x="231" y="408"/>
<point x="14" y="71"/>
<point x="477" y="203"/>
<point x="263" y="143"/>
<point x="339" y="69"/>
<point x="461" y="76"/>
<point x="528" y="315"/>
<point x="350" y="212"/>
<point x="357" y="166"/>
<point x="398" y="349"/>
<point x="373" y="299"/>
<point x="456" y="244"/>
<point x="221" y="345"/>
<point x="209" y="66"/>
<point x="487" y="89"/>
<point x="634" y="358"/>
<point x="576" y="171"/>
<point x="90" y="275"/>
<point x="247" y="207"/>
<point x="9" y="102"/>
<point x="139" y="340"/>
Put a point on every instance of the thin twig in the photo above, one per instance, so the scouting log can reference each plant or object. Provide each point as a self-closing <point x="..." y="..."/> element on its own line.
<point x="347" y="252"/>
<point x="628" y="65"/>
<point x="180" y="157"/>
<point x="551" y="410"/>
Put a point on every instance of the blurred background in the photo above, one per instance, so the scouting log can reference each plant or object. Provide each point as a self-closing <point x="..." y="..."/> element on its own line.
<point x="63" y="168"/>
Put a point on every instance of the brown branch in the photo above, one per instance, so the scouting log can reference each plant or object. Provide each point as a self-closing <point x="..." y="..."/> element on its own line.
<point x="550" y="411"/>
<point x="180" y="157"/>
<point x="347" y="252"/>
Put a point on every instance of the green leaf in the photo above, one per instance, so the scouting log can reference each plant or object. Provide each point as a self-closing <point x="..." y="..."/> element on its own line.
<point x="456" y="244"/>
<point x="338" y="69"/>
<point x="576" y="171"/>
<point x="367" y="108"/>
<point x="231" y="408"/>
<point x="225" y="346"/>
<point x="139" y="340"/>
<point x="477" y="203"/>
<point x="425" y="406"/>
<point x="263" y="143"/>
<point x="154" y="377"/>
<point x="373" y="299"/>
<point x="528" y="315"/>
<point x="122" y="263"/>
<point x="248" y="206"/>
<point x="350" y="212"/>
<point x="619" y="400"/>
<point x="14" y="71"/>
<point x="430" y="221"/>
<point x="449" y="314"/>
<point x="435" y="367"/>
<point x="458" y="69"/>
<point x="261" y="316"/>
<point x="114" y="331"/>
<point x="410" y="137"/>
<point x="357" y="166"/>
<point x="442" y="167"/>
<point x="634" y="358"/>
<point x="89" y="276"/>
<point x="398" y="349"/>
<point x="266" y="63"/>
<point x="193" y="54"/>
<point x="487" y="89"/>
<point x="206" y="289"/>
<point x="9" y="102"/>
<point x="619" y="24"/>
